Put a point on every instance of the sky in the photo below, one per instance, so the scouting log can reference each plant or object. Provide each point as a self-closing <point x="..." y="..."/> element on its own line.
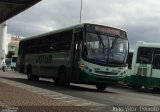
<point x="140" y="18"/>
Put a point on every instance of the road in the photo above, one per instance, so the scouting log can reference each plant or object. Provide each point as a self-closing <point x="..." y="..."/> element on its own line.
<point x="85" y="95"/>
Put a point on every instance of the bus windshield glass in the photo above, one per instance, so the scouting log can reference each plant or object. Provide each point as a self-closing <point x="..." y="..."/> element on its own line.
<point x="105" y="50"/>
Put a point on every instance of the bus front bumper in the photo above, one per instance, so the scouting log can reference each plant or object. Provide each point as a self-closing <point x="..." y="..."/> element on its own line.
<point x="91" y="78"/>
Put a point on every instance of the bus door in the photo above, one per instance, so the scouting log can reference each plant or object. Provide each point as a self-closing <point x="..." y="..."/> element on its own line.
<point x="75" y="54"/>
<point x="22" y="58"/>
<point x="156" y="64"/>
<point x="144" y="65"/>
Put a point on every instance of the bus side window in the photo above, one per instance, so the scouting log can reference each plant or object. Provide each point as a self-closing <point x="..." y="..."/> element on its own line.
<point x="156" y="60"/>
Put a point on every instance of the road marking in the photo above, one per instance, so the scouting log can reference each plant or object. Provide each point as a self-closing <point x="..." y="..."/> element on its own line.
<point x="52" y="95"/>
<point x="121" y="99"/>
<point x="149" y="105"/>
<point x="71" y="101"/>
<point x="84" y="104"/>
<point x="60" y="98"/>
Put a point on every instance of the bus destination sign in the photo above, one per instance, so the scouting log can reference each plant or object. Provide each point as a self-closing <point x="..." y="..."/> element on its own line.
<point x="107" y="30"/>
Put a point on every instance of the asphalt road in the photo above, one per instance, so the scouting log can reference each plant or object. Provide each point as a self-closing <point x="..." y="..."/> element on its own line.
<point x="111" y="96"/>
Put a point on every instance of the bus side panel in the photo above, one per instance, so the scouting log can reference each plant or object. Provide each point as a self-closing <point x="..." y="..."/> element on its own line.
<point x="47" y="64"/>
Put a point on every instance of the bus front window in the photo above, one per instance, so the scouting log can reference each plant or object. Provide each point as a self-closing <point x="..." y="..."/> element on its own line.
<point x="103" y="49"/>
<point x="118" y="50"/>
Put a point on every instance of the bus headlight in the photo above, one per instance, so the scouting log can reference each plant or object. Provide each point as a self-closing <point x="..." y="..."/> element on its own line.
<point x="81" y="66"/>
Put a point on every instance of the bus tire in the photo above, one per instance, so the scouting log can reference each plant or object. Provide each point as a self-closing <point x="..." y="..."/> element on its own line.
<point x="62" y="77"/>
<point x="136" y="86"/>
<point x="101" y="87"/>
<point x="29" y="73"/>
<point x="56" y="81"/>
<point x="35" y="78"/>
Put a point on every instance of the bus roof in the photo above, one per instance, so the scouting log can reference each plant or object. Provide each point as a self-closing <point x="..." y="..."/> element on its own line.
<point x="55" y="31"/>
<point x="63" y="29"/>
<point x="151" y="45"/>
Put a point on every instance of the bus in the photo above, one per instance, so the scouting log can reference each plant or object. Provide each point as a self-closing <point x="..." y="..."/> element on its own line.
<point x="144" y="66"/>
<point x="85" y="53"/>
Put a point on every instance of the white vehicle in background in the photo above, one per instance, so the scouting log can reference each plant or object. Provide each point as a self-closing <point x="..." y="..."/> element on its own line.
<point x="144" y="66"/>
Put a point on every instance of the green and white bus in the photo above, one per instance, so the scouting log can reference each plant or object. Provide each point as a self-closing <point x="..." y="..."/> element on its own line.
<point x="144" y="66"/>
<point x="84" y="53"/>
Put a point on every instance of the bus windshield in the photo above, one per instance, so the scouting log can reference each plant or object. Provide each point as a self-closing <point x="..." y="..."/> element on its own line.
<point x="103" y="49"/>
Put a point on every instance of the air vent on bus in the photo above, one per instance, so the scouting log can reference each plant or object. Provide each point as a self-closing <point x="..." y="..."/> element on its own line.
<point x="142" y="71"/>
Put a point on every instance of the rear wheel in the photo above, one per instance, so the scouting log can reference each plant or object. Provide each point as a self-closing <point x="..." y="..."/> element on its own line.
<point x="30" y="76"/>
<point x="29" y="73"/>
<point x="101" y="87"/>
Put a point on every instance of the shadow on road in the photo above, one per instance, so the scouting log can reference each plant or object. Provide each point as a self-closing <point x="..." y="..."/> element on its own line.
<point x="49" y="85"/>
<point x="140" y="90"/>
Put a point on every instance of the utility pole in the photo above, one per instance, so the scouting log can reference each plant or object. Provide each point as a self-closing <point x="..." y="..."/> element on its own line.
<point x="3" y="36"/>
<point x="81" y="11"/>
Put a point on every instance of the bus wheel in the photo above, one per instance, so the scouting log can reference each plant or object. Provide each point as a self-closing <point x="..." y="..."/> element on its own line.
<point x="35" y="78"/>
<point x="56" y="82"/>
<point x="101" y="87"/>
<point x="29" y="73"/>
<point x="136" y="86"/>
<point x="62" y="78"/>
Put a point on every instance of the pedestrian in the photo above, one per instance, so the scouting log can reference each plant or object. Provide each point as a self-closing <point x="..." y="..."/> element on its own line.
<point x="3" y="66"/>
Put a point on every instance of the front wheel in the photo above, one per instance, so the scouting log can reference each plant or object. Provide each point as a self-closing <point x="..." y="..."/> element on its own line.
<point x="62" y="78"/>
<point x="101" y="87"/>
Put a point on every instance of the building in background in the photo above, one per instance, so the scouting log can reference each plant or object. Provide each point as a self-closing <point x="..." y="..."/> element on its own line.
<point x="8" y="9"/>
<point x="13" y="46"/>
<point x="12" y="50"/>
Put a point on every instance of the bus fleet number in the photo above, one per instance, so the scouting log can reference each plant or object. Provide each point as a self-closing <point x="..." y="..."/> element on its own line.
<point x="44" y="59"/>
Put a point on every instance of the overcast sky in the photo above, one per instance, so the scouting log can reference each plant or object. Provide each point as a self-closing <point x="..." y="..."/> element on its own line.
<point x="140" y="18"/>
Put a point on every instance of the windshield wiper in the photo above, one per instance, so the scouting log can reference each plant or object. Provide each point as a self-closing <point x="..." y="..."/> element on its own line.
<point x="101" y="41"/>
<point x="113" y="43"/>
